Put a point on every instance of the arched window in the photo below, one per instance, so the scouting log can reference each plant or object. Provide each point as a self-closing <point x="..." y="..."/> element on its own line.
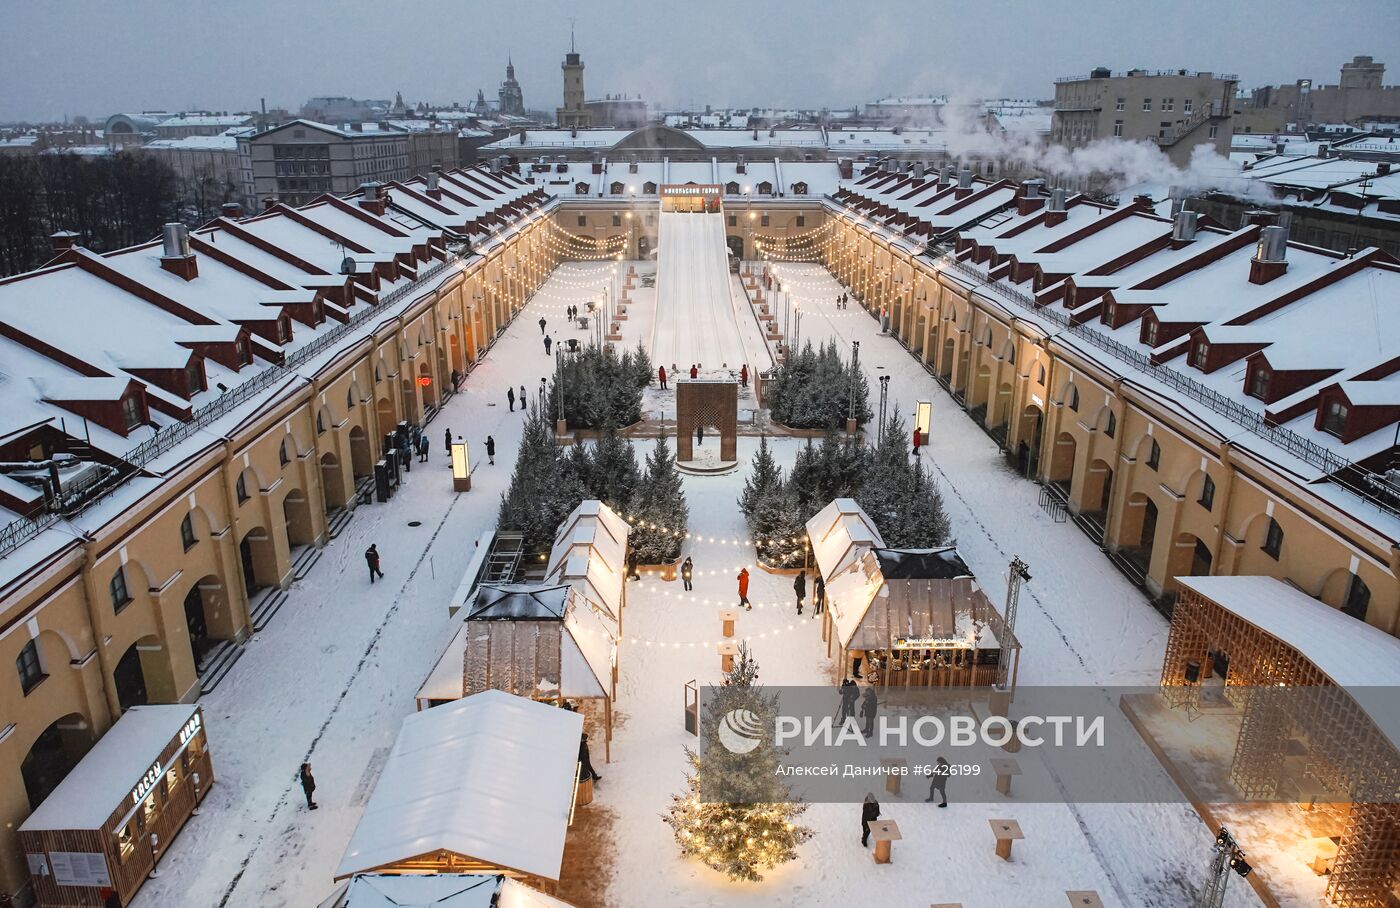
<point x="1111" y="426"/>
<point x="378" y="373"/>
<point x="1154" y="455"/>
<point x="187" y="537"/>
<point x="282" y="456"/>
<point x="1358" y="598"/>
<point x="349" y="398"/>
<point x="1011" y="352"/>
<point x="1207" y="499"/>
<point x="1072" y="400"/>
<point x="1273" y="539"/>
<point x="320" y="421"/>
<point x="240" y="488"/>
<point x="1040" y="374"/>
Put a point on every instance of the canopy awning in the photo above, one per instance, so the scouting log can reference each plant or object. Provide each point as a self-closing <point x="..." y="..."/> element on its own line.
<point x="840" y="533"/>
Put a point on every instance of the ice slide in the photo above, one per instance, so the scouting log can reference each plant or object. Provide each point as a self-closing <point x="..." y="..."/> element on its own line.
<point x="696" y="313"/>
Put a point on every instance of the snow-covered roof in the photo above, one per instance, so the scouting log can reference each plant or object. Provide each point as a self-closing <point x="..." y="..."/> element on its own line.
<point x="489" y="777"/>
<point x="840" y="533"/>
<point x="206" y="120"/>
<point x="1355" y="655"/>
<point x="226" y="142"/>
<point x="437" y="890"/>
<point x="108" y="773"/>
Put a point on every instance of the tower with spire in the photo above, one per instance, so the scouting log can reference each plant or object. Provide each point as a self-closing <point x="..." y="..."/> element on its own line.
<point x="512" y="100"/>
<point x="574" y="114"/>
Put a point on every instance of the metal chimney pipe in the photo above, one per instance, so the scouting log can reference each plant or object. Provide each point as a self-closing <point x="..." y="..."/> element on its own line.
<point x="965" y="178"/>
<point x="175" y="240"/>
<point x="1057" y="198"/>
<point x="1184" y="227"/>
<point x="1273" y="245"/>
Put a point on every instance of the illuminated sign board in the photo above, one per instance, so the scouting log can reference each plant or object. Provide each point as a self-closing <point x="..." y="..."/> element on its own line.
<point x="147" y="783"/>
<point x="707" y="189"/>
<point x="190" y="729"/>
<point x="931" y="643"/>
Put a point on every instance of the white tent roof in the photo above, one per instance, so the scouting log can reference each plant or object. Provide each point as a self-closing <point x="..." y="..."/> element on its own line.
<point x="1363" y="659"/>
<point x="590" y="554"/>
<point x="433" y="890"/>
<point x="840" y="533"/>
<point x="490" y="777"/>
<point x="86" y="798"/>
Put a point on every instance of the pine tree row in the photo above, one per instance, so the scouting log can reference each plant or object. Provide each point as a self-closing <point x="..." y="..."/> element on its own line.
<point x="813" y="390"/>
<point x="600" y="388"/>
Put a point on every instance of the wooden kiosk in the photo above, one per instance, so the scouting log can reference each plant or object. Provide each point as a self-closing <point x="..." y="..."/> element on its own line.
<point x="105" y="827"/>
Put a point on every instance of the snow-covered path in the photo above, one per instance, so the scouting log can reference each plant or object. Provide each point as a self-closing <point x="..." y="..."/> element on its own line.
<point x="333" y="676"/>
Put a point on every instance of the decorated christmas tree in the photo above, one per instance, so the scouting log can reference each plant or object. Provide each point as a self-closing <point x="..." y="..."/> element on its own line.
<point x="754" y="828"/>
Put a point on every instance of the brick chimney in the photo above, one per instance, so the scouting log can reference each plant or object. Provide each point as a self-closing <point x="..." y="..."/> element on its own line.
<point x="1143" y="201"/>
<point x="1031" y="198"/>
<point x="63" y="240"/>
<point x="231" y="210"/>
<point x="175" y="252"/>
<point x="269" y="203"/>
<point x="370" y="198"/>
<point x="1057" y="213"/>
<point x="1270" y="256"/>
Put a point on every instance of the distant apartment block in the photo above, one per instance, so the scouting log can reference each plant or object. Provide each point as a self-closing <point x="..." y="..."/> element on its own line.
<point x="301" y="160"/>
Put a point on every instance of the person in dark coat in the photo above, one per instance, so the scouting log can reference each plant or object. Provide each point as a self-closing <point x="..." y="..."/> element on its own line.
<point x="447" y="442"/>
<point x="661" y="376"/>
<point x="632" y="565"/>
<point x="687" y="571"/>
<point x="423" y="449"/>
<point x="849" y="692"/>
<point x="869" y="813"/>
<point x="490" y="450"/>
<point x="547" y="341"/>
<point x="372" y="559"/>
<point x="869" y="708"/>
<point x="938" y="783"/>
<point x="308" y="785"/>
<point x="510" y="396"/>
<point x="799" y="586"/>
<point x="744" y="588"/>
<point x="699" y="435"/>
<point x="818" y="595"/>
<point x="585" y="763"/>
<point x="456" y="379"/>
<point x="542" y="324"/>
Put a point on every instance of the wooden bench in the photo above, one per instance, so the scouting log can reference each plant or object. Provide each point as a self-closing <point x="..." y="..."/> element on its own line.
<point x="1006" y="831"/>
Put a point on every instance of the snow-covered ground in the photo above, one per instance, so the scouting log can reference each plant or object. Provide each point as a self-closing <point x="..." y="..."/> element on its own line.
<point x="696" y="320"/>
<point x="335" y="673"/>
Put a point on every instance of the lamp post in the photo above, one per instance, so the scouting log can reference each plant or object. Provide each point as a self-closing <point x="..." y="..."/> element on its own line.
<point x="855" y="377"/>
<point x="884" y="402"/>
<point x="461" y="466"/>
<point x="561" y="425"/>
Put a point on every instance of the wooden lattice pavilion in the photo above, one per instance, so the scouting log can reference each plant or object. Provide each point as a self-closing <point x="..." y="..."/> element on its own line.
<point x="1319" y="699"/>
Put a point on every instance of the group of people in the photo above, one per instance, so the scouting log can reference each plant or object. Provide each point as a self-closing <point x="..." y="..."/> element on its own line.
<point x="524" y="400"/>
<point x="694" y="373"/>
<point x="842" y="300"/>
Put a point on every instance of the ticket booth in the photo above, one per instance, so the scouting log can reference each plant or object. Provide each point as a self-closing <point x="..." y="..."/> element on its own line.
<point x="106" y="826"/>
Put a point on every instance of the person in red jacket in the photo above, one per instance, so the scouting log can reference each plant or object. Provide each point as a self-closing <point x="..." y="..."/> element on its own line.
<point x="744" y="375"/>
<point x="744" y="588"/>
<point x="694" y="372"/>
<point x="661" y="376"/>
<point x="916" y="441"/>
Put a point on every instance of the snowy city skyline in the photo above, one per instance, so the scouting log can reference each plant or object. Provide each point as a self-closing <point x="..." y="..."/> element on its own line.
<point x="93" y="59"/>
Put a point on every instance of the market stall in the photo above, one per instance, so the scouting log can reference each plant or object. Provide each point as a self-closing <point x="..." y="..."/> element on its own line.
<point x="917" y="618"/>
<point x="543" y="642"/>
<point x="105" y="827"/>
<point x="590" y="555"/>
<point x="440" y="890"/>
<point x="482" y="785"/>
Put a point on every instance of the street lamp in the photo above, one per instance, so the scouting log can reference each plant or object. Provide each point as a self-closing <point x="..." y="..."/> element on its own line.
<point x="461" y="466"/>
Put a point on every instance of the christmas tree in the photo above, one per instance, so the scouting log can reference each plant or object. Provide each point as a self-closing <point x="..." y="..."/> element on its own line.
<point x="660" y="517"/>
<point x="756" y="828"/>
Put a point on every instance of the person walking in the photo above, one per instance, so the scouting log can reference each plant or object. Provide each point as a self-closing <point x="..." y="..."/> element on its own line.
<point x="510" y="396"/>
<point x="818" y="595"/>
<point x="585" y="762"/>
<point x="542" y="324"/>
<point x="661" y="376"/>
<point x="687" y="572"/>
<point x="547" y="342"/>
<point x="632" y="565"/>
<point x="372" y="559"/>
<point x="447" y="442"/>
<point x="938" y="783"/>
<point x="799" y="586"/>
<point x="744" y="588"/>
<point x="694" y="372"/>
<point x="869" y="813"/>
<point x="850" y="692"/>
<point x="869" y="707"/>
<point x="490" y="450"/>
<point x="744" y="375"/>
<point x="308" y="785"/>
<point x="423" y="448"/>
<point x="699" y="435"/>
<point x="916" y="441"/>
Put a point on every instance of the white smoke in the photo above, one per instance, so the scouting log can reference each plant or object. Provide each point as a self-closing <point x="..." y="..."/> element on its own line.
<point x="1113" y="162"/>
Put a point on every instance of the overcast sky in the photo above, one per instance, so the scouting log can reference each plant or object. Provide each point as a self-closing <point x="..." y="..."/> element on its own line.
<point x="95" y="57"/>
